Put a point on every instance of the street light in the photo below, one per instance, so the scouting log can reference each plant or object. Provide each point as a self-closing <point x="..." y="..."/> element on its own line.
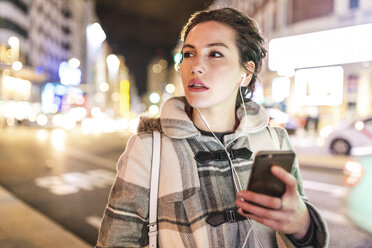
<point x="14" y="44"/>
<point x="95" y="34"/>
<point x="13" y="41"/>
<point x="154" y="97"/>
<point x="74" y="63"/>
<point x="104" y="86"/>
<point x="170" y="88"/>
<point x="154" y="110"/>
<point x="113" y="62"/>
<point x="17" y="66"/>
<point x="95" y="37"/>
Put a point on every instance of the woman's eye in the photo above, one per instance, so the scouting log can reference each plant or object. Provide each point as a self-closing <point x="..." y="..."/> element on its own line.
<point x="187" y="54"/>
<point x="215" y="54"/>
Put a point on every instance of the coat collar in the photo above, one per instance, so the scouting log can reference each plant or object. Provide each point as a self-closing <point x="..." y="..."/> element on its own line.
<point x="176" y="123"/>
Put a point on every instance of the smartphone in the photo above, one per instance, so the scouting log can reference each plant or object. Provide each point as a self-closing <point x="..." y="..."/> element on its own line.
<point x="262" y="180"/>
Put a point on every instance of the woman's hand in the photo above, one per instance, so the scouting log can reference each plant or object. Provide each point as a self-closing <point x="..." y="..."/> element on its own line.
<point x="287" y="214"/>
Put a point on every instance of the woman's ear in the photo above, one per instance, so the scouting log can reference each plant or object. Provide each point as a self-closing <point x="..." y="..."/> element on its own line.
<point x="249" y="72"/>
<point x="249" y="66"/>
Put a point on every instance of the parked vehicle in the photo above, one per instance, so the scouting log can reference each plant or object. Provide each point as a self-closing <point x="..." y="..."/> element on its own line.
<point x="350" y="137"/>
<point x="358" y="175"/>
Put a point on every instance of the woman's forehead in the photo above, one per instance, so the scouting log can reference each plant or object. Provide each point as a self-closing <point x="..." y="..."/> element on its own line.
<point x="211" y="32"/>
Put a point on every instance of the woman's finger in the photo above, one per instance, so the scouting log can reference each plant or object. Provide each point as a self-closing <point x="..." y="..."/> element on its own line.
<point x="267" y="222"/>
<point x="260" y="199"/>
<point x="288" y="179"/>
<point x="259" y="211"/>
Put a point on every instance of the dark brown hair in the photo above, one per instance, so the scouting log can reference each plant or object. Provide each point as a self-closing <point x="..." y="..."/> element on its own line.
<point x="249" y="41"/>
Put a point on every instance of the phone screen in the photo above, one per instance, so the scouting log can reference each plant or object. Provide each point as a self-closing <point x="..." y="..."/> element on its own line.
<point x="262" y="180"/>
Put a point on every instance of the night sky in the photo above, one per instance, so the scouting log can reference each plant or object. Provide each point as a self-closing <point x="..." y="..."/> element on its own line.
<point x="142" y="29"/>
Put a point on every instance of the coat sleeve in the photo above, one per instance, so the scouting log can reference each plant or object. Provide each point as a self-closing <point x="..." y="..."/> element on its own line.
<point x="320" y="226"/>
<point x="125" y="219"/>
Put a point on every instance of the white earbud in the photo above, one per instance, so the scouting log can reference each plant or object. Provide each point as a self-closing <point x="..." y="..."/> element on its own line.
<point x="243" y="79"/>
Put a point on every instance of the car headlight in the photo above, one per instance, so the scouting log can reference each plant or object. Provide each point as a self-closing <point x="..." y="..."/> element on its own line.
<point x="359" y="125"/>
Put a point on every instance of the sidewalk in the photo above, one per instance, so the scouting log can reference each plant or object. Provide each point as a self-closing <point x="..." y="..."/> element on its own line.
<point x="322" y="161"/>
<point x="23" y="227"/>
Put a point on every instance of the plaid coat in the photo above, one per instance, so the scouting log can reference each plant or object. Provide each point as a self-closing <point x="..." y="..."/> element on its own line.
<point x="190" y="191"/>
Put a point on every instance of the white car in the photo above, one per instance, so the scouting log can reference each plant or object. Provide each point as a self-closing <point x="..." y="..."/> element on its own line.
<point x="351" y="137"/>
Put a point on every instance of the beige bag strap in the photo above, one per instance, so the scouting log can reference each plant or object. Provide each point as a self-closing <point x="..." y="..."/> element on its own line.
<point x="274" y="137"/>
<point x="282" y="241"/>
<point x="154" y="188"/>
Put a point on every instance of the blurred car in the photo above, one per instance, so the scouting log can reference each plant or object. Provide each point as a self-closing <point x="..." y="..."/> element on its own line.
<point x="358" y="175"/>
<point x="350" y="137"/>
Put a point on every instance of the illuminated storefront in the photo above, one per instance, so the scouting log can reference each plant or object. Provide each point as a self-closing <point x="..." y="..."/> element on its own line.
<point x="328" y="70"/>
<point x="62" y="96"/>
<point x="15" y="88"/>
<point x="19" y="85"/>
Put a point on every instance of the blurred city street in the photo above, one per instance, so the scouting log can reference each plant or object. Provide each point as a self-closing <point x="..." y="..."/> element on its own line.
<point x="68" y="182"/>
<point x="65" y="177"/>
<point x="75" y="75"/>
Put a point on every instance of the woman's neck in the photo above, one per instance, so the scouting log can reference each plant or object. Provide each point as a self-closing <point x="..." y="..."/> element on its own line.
<point x="218" y="121"/>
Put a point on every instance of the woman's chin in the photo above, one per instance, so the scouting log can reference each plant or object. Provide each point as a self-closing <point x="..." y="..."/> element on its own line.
<point x="197" y="102"/>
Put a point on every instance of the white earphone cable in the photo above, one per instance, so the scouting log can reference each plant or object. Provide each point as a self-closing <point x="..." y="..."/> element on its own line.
<point x="238" y="187"/>
<point x="235" y="176"/>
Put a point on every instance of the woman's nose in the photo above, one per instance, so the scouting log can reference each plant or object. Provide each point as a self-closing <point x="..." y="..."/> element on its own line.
<point x="197" y="67"/>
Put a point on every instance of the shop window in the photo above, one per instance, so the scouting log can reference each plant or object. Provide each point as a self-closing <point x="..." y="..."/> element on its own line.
<point x="353" y="4"/>
<point x="66" y="13"/>
<point x="66" y="30"/>
<point x="319" y="86"/>
<point x="66" y="46"/>
<point x="10" y="25"/>
<point x="302" y="10"/>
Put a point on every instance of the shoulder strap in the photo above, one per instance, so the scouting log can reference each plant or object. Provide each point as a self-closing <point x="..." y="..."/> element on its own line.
<point x="154" y="186"/>
<point x="274" y="137"/>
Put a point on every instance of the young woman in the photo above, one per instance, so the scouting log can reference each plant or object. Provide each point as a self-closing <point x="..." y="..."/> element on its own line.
<point x="209" y="139"/>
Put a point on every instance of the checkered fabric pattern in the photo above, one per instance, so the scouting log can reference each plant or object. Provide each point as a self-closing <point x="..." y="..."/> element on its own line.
<point x="189" y="191"/>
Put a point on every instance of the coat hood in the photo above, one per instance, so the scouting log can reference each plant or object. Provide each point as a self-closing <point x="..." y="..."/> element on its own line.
<point x="175" y="122"/>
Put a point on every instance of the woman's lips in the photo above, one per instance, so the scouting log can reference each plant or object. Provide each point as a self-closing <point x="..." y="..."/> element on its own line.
<point x="195" y="85"/>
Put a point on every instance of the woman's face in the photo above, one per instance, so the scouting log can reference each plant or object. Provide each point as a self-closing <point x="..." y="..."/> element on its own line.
<point x="210" y="71"/>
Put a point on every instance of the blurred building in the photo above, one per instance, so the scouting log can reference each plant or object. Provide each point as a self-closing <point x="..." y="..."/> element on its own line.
<point x="318" y="54"/>
<point x="53" y="58"/>
<point x="35" y="37"/>
<point x="158" y="78"/>
<point x="48" y="32"/>
<point x="111" y="84"/>
<point x="108" y="84"/>
<point x="320" y="60"/>
<point x="54" y="34"/>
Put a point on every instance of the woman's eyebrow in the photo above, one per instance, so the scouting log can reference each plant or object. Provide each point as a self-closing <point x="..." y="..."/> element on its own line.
<point x="188" y="46"/>
<point x="209" y="45"/>
<point x="217" y="44"/>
